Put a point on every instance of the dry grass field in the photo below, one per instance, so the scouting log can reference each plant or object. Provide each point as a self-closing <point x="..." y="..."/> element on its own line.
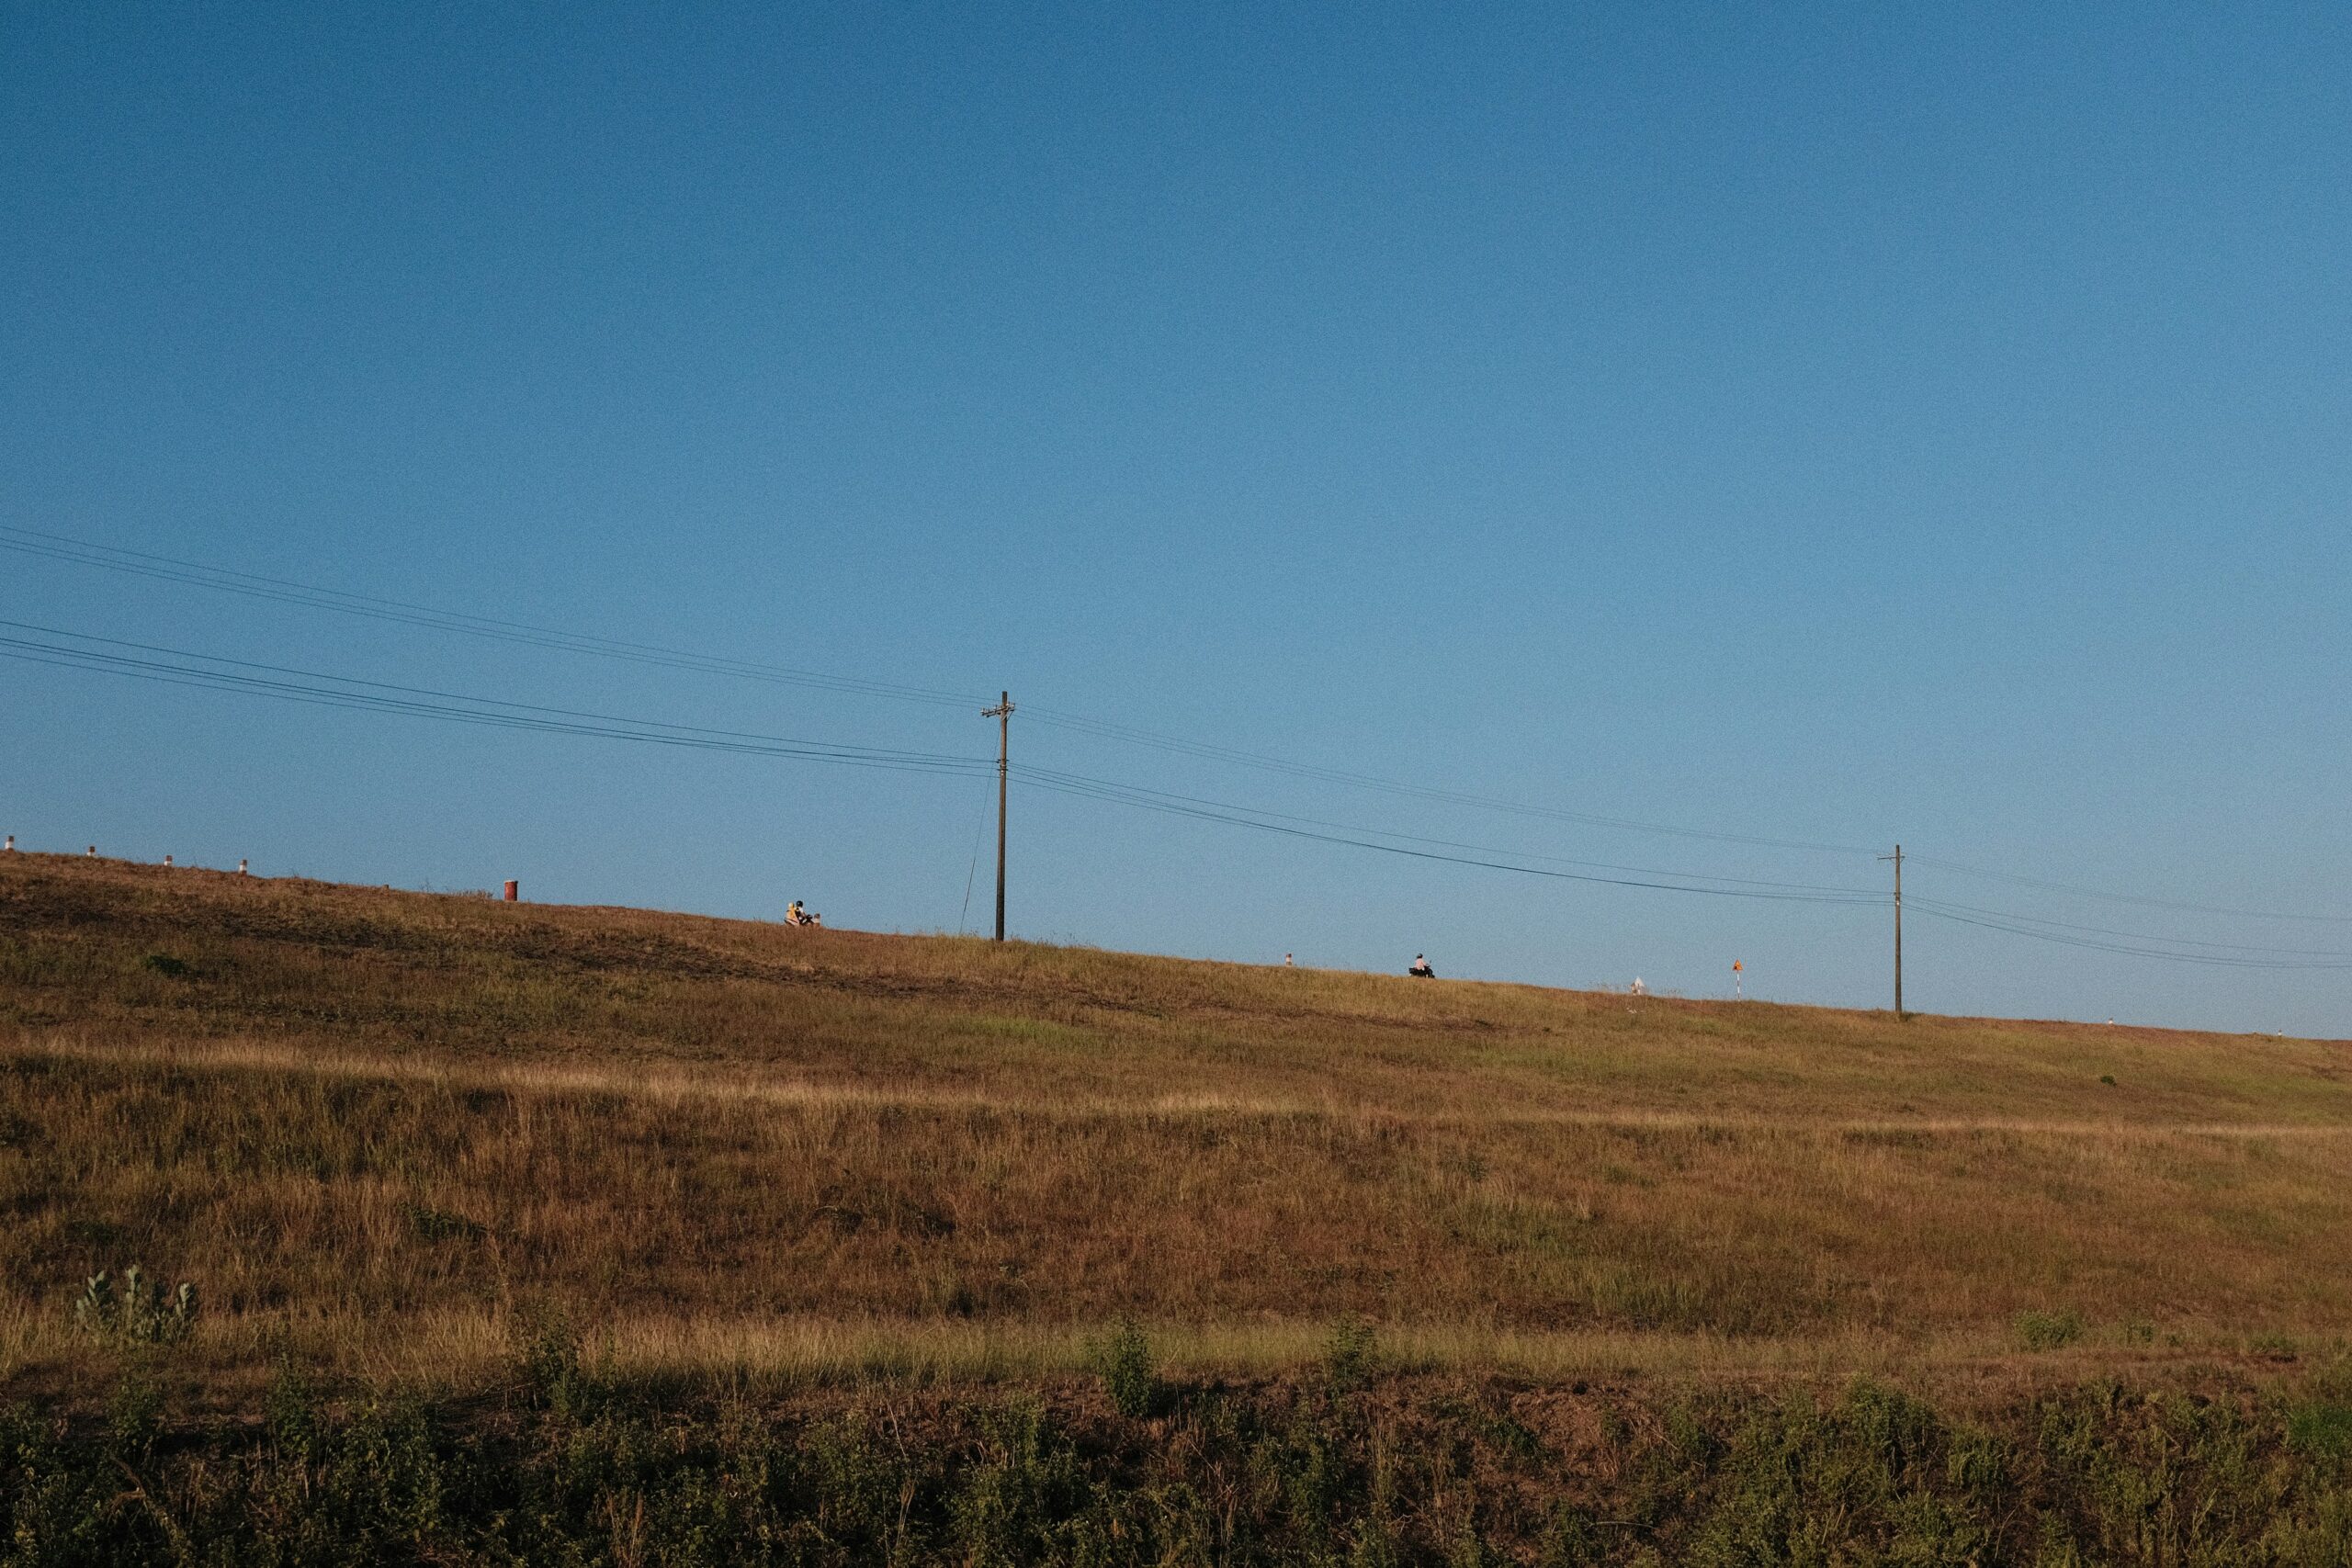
<point x="374" y="1127"/>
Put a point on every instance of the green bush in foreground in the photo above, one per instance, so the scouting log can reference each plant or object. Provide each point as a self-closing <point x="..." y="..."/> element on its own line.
<point x="2050" y="1330"/>
<point x="1349" y="1354"/>
<point x="1397" y="1473"/>
<point x="135" y="1311"/>
<point x="1123" y="1358"/>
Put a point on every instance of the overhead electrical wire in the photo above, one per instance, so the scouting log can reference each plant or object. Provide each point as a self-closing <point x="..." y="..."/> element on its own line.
<point x="216" y="673"/>
<point x="1179" y="805"/>
<point x="182" y="667"/>
<point x="346" y="692"/>
<point x="1250" y="816"/>
<point x="287" y="683"/>
<point x="1947" y="905"/>
<point x="1131" y="736"/>
<point x="2041" y="886"/>
<point x="2233" y="955"/>
<point x="56" y="546"/>
<point x="142" y="563"/>
<point x="1928" y="908"/>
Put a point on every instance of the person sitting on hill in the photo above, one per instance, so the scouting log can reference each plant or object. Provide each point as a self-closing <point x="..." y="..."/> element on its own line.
<point x="796" y="915"/>
<point x="1420" y="969"/>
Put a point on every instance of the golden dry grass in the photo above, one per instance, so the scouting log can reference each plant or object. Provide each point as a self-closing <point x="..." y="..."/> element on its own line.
<point x="371" y="1124"/>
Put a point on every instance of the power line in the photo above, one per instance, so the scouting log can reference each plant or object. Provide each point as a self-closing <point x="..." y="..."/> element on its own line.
<point x="2211" y="960"/>
<point x="1079" y="781"/>
<point x="140" y="563"/>
<point x="2143" y="936"/>
<point x="64" y="548"/>
<point x="215" y="673"/>
<point x="350" y="692"/>
<point x="2231" y="954"/>
<point x="1173" y="806"/>
<point x="1130" y="735"/>
<point x="56" y="546"/>
<point x="2041" y="886"/>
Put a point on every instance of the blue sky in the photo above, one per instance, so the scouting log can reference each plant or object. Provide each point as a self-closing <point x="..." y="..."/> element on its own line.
<point x="1837" y="424"/>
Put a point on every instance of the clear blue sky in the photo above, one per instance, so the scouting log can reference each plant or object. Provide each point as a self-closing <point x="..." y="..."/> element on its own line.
<point x="1837" y="423"/>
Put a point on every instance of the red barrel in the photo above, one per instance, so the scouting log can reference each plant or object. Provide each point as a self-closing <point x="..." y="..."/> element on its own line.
<point x="513" y="891"/>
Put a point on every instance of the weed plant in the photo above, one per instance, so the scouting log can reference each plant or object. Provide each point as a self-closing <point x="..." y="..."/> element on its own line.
<point x="1349" y="1355"/>
<point x="1123" y="1359"/>
<point x="2049" y="1330"/>
<point x="135" y="1311"/>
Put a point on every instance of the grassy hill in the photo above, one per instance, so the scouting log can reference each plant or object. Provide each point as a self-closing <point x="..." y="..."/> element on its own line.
<point x="374" y="1126"/>
<point x="526" y="1234"/>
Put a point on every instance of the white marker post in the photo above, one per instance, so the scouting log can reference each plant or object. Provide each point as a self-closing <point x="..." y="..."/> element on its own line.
<point x="1738" y="981"/>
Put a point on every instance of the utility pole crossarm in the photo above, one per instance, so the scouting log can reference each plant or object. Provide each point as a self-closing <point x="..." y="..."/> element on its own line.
<point x="1002" y="714"/>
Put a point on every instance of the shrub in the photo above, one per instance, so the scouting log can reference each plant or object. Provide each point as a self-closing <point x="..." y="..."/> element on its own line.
<point x="2050" y="1330"/>
<point x="1570" y="1541"/>
<point x="547" y="1353"/>
<point x="1349" y="1354"/>
<point x="2321" y="1430"/>
<point x="134" y="1413"/>
<point x="136" y="1311"/>
<point x="1122" y="1360"/>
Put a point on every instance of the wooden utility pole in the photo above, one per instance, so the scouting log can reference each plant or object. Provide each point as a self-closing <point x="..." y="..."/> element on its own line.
<point x="1897" y="858"/>
<point x="1002" y="714"/>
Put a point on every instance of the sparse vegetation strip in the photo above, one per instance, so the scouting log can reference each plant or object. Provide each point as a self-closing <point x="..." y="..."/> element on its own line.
<point x="559" y="1463"/>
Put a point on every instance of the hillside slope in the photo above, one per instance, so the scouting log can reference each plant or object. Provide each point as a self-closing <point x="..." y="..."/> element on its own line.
<point x="377" y="1122"/>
